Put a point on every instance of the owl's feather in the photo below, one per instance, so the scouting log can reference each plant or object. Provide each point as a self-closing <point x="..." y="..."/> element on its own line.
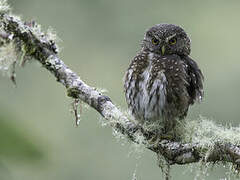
<point x="161" y="88"/>
<point x="195" y="79"/>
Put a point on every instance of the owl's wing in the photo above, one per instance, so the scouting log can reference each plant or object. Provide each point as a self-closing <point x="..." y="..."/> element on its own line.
<point x="136" y="67"/>
<point x="133" y="77"/>
<point x="195" y="88"/>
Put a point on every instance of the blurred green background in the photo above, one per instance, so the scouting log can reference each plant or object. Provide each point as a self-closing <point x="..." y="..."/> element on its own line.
<point x="38" y="139"/>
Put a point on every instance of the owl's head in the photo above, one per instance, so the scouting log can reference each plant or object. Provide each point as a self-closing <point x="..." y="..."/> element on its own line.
<point x="166" y="39"/>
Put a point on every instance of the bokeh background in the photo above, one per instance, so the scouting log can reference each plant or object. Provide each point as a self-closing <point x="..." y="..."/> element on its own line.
<point x="38" y="139"/>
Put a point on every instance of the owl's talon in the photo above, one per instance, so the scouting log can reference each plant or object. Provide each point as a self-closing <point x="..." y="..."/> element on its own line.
<point x="156" y="139"/>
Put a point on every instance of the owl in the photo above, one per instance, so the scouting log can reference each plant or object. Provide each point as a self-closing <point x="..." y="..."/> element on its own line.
<point x="162" y="80"/>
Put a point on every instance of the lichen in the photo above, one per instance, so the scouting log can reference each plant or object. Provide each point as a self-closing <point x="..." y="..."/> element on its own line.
<point x="134" y="177"/>
<point x="4" y="7"/>
<point x="206" y="133"/>
<point x="19" y="48"/>
<point x="77" y="110"/>
<point x="164" y="165"/>
<point x="119" y="136"/>
<point x="101" y="90"/>
<point x="49" y="37"/>
<point x="8" y="55"/>
<point x="138" y="148"/>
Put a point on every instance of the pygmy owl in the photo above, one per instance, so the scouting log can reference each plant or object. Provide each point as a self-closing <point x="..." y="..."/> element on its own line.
<point x="162" y="81"/>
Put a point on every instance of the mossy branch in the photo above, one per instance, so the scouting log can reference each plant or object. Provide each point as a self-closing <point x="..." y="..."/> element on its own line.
<point x="31" y="43"/>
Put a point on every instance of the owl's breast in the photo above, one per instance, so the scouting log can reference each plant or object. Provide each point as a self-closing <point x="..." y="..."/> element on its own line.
<point x="151" y="98"/>
<point x="156" y="87"/>
<point x="177" y="98"/>
<point x="145" y="90"/>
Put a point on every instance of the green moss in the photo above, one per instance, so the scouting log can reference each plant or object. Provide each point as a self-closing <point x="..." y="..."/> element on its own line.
<point x="73" y="92"/>
<point x="29" y="49"/>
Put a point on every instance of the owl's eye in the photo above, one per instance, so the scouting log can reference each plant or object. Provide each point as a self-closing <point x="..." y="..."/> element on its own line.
<point x="155" y="41"/>
<point x="172" y="41"/>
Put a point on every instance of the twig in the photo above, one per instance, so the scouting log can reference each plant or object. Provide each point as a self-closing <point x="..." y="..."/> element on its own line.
<point x="75" y="105"/>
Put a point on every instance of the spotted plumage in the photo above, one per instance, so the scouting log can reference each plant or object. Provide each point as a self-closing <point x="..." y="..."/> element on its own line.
<point x="162" y="81"/>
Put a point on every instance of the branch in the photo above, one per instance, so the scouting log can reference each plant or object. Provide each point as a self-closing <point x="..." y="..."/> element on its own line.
<point x="40" y="48"/>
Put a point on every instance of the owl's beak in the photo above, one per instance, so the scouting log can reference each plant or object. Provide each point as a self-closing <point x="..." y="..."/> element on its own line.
<point x="163" y="49"/>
